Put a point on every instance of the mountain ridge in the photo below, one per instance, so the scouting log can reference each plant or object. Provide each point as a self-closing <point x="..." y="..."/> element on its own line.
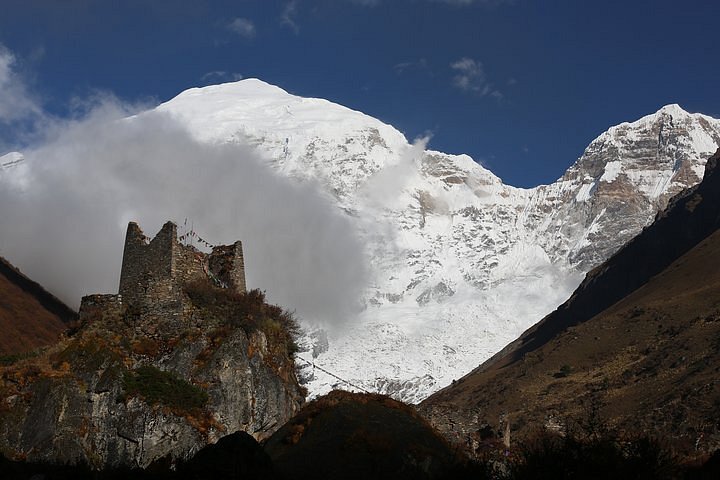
<point x="637" y="340"/>
<point x="462" y="242"/>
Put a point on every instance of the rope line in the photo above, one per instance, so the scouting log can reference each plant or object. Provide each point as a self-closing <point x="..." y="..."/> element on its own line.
<point x="11" y="163"/>
<point x="188" y="235"/>
<point x="312" y="364"/>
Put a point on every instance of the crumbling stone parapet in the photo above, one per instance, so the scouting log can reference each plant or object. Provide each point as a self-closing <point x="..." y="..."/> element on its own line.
<point x="155" y="272"/>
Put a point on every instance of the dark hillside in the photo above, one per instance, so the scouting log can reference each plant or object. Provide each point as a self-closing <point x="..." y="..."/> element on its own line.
<point x="30" y="317"/>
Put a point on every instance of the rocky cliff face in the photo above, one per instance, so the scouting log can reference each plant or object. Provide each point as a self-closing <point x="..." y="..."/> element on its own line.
<point x="622" y="179"/>
<point x="141" y="382"/>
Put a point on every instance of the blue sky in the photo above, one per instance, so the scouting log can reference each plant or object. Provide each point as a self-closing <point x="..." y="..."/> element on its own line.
<point x="521" y="85"/>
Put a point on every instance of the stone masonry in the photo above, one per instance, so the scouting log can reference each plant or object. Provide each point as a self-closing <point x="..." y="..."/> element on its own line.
<point x="155" y="271"/>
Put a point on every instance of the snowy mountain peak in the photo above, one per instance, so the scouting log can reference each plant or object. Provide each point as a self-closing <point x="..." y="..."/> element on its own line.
<point x="257" y="108"/>
<point x="674" y="109"/>
<point x="303" y="137"/>
<point x="248" y="87"/>
<point x="461" y="263"/>
<point x="667" y="115"/>
<point x="625" y="174"/>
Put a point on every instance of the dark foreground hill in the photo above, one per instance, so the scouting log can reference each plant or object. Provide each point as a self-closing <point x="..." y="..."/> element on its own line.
<point x="636" y="348"/>
<point x="357" y="436"/>
<point x="30" y="317"/>
<point x="236" y="456"/>
<point x="339" y="436"/>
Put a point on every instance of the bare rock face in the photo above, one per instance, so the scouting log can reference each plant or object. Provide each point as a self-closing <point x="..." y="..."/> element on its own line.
<point x="622" y="179"/>
<point x="156" y="378"/>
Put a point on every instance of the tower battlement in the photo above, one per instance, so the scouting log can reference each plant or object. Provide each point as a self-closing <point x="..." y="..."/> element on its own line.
<point x="155" y="271"/>
<point x="162" y="266"/>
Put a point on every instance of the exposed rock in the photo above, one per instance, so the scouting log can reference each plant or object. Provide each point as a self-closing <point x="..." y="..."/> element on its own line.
<point x="178" y="366"/>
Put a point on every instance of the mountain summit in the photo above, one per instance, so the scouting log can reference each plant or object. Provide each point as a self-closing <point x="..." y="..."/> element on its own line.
<point x="462" y="263"/>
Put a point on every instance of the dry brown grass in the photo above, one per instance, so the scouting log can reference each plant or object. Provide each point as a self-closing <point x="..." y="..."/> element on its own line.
<point x="653" y="358"/>
<point x="25" y="323"/>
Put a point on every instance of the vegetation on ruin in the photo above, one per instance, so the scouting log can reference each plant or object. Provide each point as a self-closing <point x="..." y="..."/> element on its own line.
<point x="248" y="311"/>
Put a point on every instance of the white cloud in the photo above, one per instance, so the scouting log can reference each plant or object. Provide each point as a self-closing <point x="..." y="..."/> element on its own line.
<point x="401" y="67"/>
<point x="64" y="219"/>
<point x="470" y="77"/>
<point x="288" y="15"/>
<point x="381" y="189"/>
<point x="64" y="210"/>
<point x="243" y="27"/>
<point x="16" y="102"/>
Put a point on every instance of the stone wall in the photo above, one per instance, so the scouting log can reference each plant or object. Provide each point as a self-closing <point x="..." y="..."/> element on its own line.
<point x="226" y="263"/>
<point x="155" y="271"/>
<point x="97" y="307"/>
<point x="146" y="264"/>
<point x="163" y="265"/>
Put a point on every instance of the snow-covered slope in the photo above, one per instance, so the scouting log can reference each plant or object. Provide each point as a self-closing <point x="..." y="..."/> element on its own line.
<point x="461" y="263"/>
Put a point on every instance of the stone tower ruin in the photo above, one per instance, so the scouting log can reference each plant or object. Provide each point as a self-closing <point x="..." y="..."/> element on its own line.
<point x="155" y="271"/>
<point x="160" y="267"/>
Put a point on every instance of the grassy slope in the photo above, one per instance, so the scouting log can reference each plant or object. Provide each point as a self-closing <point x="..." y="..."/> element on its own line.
<point x="651" y="362"/>
<point x="30" y="317"/>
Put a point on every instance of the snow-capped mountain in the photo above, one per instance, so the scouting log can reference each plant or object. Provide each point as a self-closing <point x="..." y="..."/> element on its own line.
<point x="461" y="263"/>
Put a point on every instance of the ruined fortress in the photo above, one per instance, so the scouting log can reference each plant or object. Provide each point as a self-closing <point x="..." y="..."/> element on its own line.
<point x="154" y="273"/>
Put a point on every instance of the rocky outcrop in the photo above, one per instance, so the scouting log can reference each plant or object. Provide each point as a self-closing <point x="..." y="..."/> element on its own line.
<point x="153" y="379"/>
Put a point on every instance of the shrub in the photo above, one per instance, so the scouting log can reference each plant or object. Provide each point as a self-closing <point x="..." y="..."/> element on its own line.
<point x="565" y="370"/>
<point x="158" y="387"/>
<point x="13" y="358"/>
<point x="552" y="456"/>
<point x="145" y="346"/>
<point x="248" y="311"/>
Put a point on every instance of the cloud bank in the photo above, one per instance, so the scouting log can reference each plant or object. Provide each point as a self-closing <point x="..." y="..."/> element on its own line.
<point x="65" y="209"/>
<point x="19" y="108"/>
